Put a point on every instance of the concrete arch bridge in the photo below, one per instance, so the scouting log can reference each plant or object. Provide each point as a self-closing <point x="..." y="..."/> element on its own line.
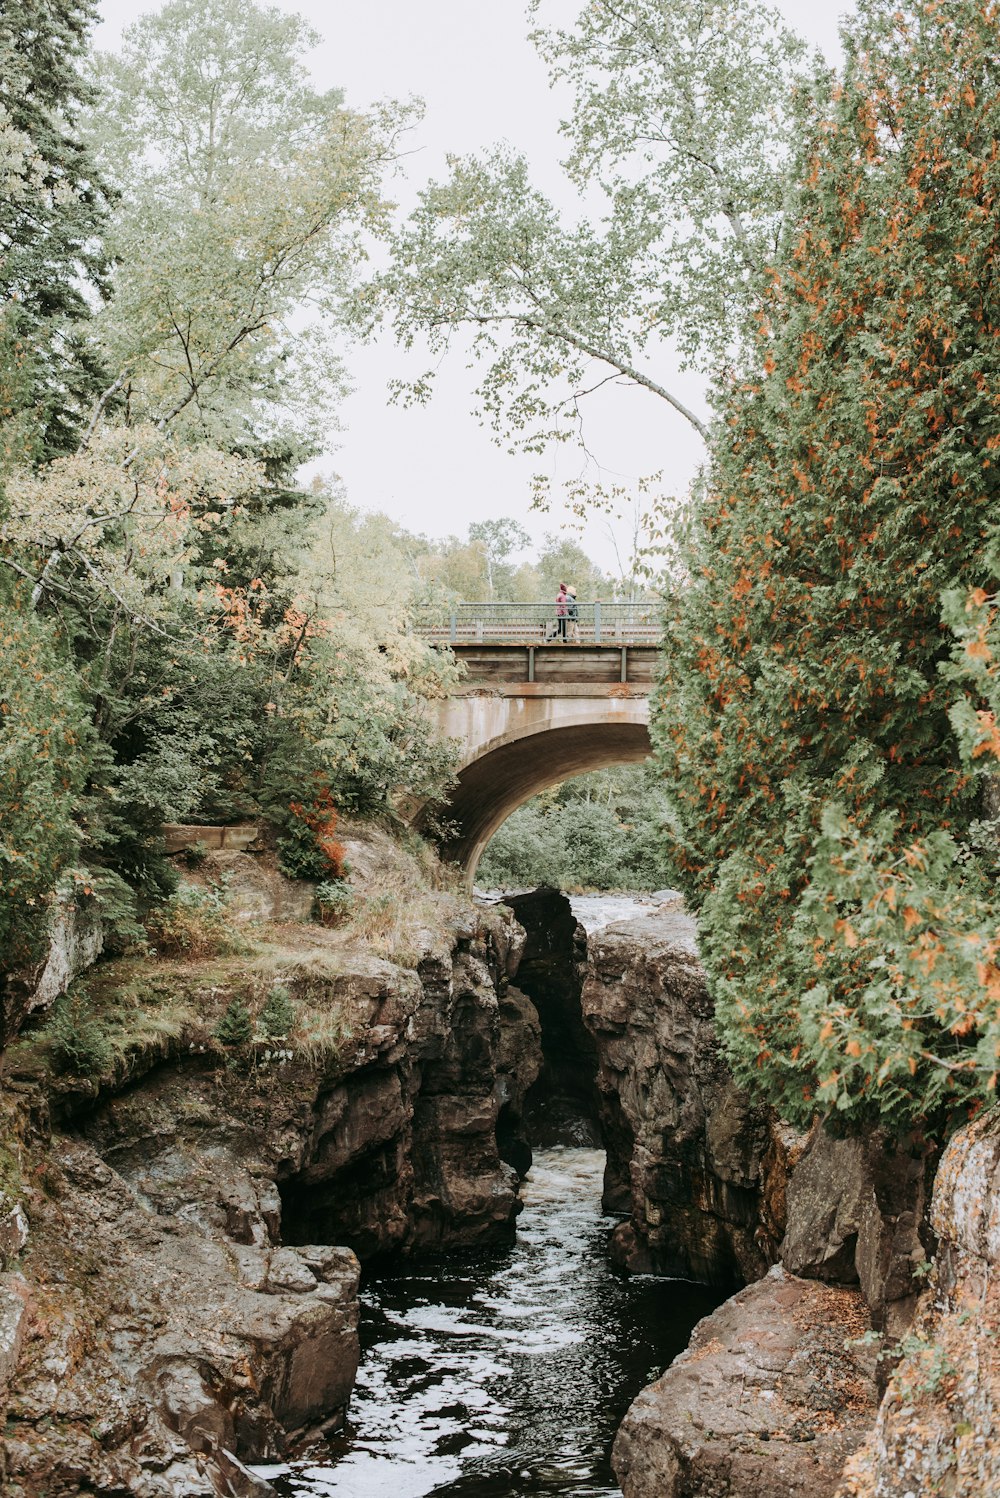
<point x="536" y="707"/>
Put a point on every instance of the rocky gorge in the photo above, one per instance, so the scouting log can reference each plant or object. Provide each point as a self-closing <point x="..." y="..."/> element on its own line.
<point x="182" y="1229"/>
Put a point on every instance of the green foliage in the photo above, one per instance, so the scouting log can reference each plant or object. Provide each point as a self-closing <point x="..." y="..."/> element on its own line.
<point x="52" y="208"/>
<point x="243" y="195"/>
<point x="498" y="539"/>
<point x="309" y="849"/>
<point x="76" y="1039"/>
<point x="298" y="855"/>
<point x="601" y="831"/>
<point x="218" y="625"/>
<point x="44" y="746"/>
<point x="334" y="901"/>
<point x="824" y="809"/>
<point x="235" y="1028"/>
<point x="278" y="1014"/>
<point x="683" y="126"/>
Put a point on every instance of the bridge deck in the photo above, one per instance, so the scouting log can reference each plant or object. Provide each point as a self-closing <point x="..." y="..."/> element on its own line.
<point x="557" y="667"/>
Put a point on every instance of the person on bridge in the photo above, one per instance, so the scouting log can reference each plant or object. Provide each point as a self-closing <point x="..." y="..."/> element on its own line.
<point x="573" y="614"/>
<point x="561" y="612"/>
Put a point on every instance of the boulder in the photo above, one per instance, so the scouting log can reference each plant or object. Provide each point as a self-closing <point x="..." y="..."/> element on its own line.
<point x="75" y="941"/>
<point x="163" y="1346"/>
<point x="772" y="1393"/>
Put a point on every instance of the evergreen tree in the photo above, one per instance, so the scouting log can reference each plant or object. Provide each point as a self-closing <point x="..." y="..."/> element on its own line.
<point x="52" y="208"/>
<point x="825" y="813"/>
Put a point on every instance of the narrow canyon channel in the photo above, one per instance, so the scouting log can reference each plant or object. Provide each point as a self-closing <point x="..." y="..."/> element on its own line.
<point x="504" y="1375"/>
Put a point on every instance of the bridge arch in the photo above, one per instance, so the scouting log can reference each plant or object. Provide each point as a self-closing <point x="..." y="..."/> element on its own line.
<point x="515" y="747"/>
<point x="537" y="705"/>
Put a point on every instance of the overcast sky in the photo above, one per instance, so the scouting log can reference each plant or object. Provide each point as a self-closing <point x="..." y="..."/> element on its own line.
<point x="434" y="468"/>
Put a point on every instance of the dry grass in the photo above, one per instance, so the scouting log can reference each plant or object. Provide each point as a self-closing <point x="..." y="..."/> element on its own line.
<point x="194" y="923"/>
<point x="320" y="1036"/>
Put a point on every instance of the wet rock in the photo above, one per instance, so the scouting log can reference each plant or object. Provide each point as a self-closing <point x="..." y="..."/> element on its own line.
<point x="771" y="1396"/>
<point x="518" y="1063"/>
<point x="938" y="1429"/>
<point x="686" y="1149"/>
<point x="562" y="1106"/>
<point x="163" y="1348"/>
<point x="403" y="1150"/>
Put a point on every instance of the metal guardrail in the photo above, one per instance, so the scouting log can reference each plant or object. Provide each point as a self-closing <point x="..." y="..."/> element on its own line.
<point x="597" y="623"/>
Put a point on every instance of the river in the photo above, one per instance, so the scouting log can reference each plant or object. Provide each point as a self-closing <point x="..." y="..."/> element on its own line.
<point x="504" y="1375"/>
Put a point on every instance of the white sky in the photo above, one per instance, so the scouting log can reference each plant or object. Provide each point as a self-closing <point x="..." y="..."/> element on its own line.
<point x="433" y="468"/>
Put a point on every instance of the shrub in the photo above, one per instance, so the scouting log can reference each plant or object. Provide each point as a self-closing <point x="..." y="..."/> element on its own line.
<point x="194" y="922"/>
<point x="334" y="901"/>
<point x="77" y="1041"/>
<point x="235" y="1027"/>
<point x="309" y="848"/>
<point x="278" y="1014"/>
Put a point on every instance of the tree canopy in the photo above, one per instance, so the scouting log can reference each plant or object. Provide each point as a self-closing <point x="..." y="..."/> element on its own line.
<point x="682" y="130"/>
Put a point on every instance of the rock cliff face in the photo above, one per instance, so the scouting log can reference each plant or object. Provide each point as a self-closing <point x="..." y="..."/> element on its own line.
<point x="401" y="1151"/>
<point x="75" y="940"/>
<point x="563" y="1104"/>
<point x="938" y="1428"/>
<point x="858" y="1215"/>
<point x="186" y="1303"/>
<point x="699" y="1169"/>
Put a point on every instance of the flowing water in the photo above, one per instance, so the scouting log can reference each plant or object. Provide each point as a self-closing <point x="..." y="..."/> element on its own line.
<point x="504" y="1375"/>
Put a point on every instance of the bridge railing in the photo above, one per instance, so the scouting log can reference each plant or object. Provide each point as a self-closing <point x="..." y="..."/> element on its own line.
<point x="598" y="623"/>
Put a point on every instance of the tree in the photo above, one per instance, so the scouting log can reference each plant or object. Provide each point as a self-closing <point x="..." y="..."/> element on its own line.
<point x="600" y="831"/>
<point x="244" y="195"/>
<point x="499" y="538"/>
<point x="683" y="119"/>
<point x="53" y="201"/>
<point x="44" y="736"/>
<point x="202" y="603"/>
<point x="561" y="559"/>
<point x="825" y="815"/>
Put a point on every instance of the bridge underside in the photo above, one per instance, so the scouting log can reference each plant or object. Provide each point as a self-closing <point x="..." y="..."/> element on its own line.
<point x="513" y="770"/>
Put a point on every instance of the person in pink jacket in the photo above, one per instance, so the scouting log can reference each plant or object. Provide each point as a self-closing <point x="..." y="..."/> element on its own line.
<point x="561" y="612"/>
